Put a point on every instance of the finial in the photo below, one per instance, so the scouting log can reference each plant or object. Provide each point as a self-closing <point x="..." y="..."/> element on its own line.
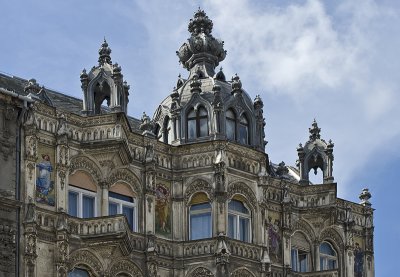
<point x="236" y="83"/>
<point x="200" y="23"/>
<point x="365" y="195"/>
<point x="258" y="103"/>
<point x="104" y="53"/>
<point x="195" y="84"/>
<point x="314" y="131"/>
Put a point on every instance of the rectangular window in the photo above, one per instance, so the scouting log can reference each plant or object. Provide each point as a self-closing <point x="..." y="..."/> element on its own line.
<point x="122" y="204"/>
<point x="81" y="202"/>
<point x="299" y="260"/>
<point x="73" y="203"/>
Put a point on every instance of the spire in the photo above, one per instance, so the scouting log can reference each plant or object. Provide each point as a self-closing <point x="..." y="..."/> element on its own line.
<point x="314" y="131"/>
<point x="201" y="49"/>
<point x="104" y="53"/>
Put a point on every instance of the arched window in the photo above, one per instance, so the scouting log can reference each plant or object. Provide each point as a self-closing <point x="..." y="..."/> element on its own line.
<point x="239" y="221"/>
<point x="244" y="130"/>
<point x="121" y="200"/>
<point x="77" y="272"/>
<point x="200" y="219"/>
<point x="327" y="256"/>
<point x="197" y="123"/>
<point x="300" y="253"/>
<point x="230" y="125"/>
<point x="82" y="192"/>
<point x="166" y="130"/>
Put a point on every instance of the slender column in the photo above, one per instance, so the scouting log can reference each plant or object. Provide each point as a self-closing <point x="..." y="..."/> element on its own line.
<point x="104" y="199"/>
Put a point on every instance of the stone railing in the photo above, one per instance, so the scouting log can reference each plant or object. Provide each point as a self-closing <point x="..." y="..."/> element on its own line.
<point x="244" y="250"/>
<point x="97" y="225"/>
<point x="46" y="220"/>
<point x="199" y="247"/>
<point x="326" y="273"/>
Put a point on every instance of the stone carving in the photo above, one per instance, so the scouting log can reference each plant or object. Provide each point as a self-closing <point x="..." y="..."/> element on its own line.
<point x="126" y="176"/>
<point x="87" y="165"/>
<point x="243" y="189"/>
<point x="85" y="257"/>
<point x="332" y="235"/>
<point x="7" y="250"/>
<point x="196" y="186"/>
<point x="201" y="272"/>
<point x="242" y="272"/>
<point x="126" y="267"/>
<point x="31" y="148"/>
<point x="152" y="269"/>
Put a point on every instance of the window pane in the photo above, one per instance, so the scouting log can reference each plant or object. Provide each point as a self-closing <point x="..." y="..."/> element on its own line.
<point x="325" y="248"/>
<point x="112" y="208"/>
<point x="230" y="129"/>
<point x="294" y="260"/>
<point x="244" y="229"/>
<point x="200" y="226"/>
<point x="128" y="212"/>
<point x="201" y="206"/>
<point x="203" y="127"/>
<point x="302" y="261"/>
<point x="120" y="196"/>
<point x="230" y="114"/>
<point x="243" y="134"/>
<point x="232" y="226"/>
<point x="331" y="264"/>
<point x="191" y="128"/>
<point x="192" y="114"/>
<point x="202" y="112"/>
<point x="73" y="203"/>
<point x="88" y="206"/>
<point x="238" y="206"/>
<point x="78" y="273"/>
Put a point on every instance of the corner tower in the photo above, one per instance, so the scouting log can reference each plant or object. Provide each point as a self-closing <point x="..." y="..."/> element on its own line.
<point x="104" y="85"/>
<point x="316" y="154"/>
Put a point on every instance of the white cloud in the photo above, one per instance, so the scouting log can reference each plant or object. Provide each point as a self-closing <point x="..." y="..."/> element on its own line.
<point x="317" y="61"/>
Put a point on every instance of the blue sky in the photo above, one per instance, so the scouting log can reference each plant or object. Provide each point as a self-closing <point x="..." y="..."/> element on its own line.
<point x="336" y="61"/>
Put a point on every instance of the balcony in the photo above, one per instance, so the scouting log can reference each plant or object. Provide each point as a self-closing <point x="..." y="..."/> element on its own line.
<point x="325" y="273"/>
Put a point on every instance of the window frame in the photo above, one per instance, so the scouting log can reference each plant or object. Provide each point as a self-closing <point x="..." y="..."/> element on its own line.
<point x="81" y="192"/>
<point x="243" y="125"/>
<point x="121" y="203"/>
<point x="237" y="215"/>
<point x="298" y="263"/>
<point x="197" y="120"/>
<point x="324" y="258"/>
<point x="231" y="120"/>
<point x="199" y="212"/>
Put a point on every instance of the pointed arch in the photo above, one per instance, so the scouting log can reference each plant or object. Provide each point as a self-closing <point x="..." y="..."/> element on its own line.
<point x="201" y="272"/>
<point x="126" y="176"/>
<point x="86" y="164"/>
<point x="86" y="259"/>
<point x="125" y="267"/>
<point x="306" y="228"/>
<point x="333" y="236"/>
<point x="244" y="190"/>
<point x="242" y="272"/>
<point x="199" y="185"/>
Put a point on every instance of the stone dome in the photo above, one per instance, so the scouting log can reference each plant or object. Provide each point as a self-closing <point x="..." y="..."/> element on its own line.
<point x="205" y="106"/>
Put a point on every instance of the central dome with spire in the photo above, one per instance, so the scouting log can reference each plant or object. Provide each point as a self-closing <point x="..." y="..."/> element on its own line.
<point x="206" y="106"/>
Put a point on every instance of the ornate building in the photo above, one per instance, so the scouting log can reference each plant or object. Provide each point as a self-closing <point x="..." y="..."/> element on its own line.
<point x="87" y="190"/>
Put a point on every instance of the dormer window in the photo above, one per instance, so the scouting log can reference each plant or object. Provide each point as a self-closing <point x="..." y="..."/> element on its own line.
<point x="197" y="123"/>
<point x="237" y="130"/>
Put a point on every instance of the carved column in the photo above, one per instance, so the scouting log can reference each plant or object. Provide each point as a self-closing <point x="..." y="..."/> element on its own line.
<point x="222" y="256"/>
<point x="62" y="242"/>
<point x="149" y="192"/>
<point x="104" y="198"/>
<point x="62" y="161"/>
<point x="31" y="156"/>
<point x="30" y="238"/>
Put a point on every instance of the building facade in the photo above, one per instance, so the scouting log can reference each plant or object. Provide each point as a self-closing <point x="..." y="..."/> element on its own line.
<point x="87" y="190"/>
